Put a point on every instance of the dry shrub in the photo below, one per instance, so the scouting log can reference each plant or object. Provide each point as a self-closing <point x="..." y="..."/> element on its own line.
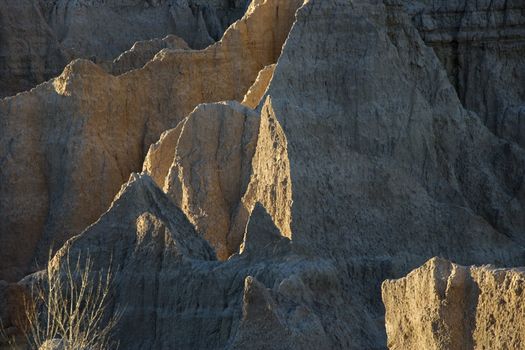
<point x="69" y="309"/>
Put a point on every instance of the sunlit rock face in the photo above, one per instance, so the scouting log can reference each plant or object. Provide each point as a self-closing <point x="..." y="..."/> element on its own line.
<point x="442" y="305"/>
<point x="271" y="223"/>
<point x="39" y="37"/>
<point x="68" y="145"/>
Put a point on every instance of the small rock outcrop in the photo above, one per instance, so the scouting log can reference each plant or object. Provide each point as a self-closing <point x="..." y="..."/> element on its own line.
<point x="256" y="92"/>
<point x="442" y="305"/>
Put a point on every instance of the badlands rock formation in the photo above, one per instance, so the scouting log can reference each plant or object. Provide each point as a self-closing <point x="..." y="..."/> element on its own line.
<point x="39" y="37"/>
<point x="141" y="52"/>
<point x="442" y="305"/>
<point x="481" y="44"/>
<point x="172" y="288"/>
<point x="209" y="156"/>
<point x="68" y="145"/>
<point x="357" y="163"/>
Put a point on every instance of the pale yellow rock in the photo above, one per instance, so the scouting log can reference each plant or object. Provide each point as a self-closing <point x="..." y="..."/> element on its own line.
<point x="161" y="154"/>
<point x="143" y="51"/>
<point x="446" y="306"/>
<point x="258" y="89"/>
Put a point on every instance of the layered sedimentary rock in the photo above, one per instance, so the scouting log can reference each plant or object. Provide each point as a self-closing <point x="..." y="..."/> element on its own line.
<point x="67" y="146"/>
<point x="141" y="52"/>
<point x="210" y="167"/>
<point x="386" y="167"/>
<point x="170" y="286"/>
<point x="29" y="50"/>
<point x="442" y="305"/>
<point x="482" y="46"/>
<point x="370" y="165"/>
<point x="39" y="37"/>
<point x="365" y="165"/>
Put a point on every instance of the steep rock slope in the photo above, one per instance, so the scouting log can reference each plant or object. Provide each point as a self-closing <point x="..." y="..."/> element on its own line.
<point x="442" y="305"/>
<point x="371" y="165"/>
<point x="39" y="37"/>
<point x="482" y="46"/>
<point x="366" y="165"/>
<point x="169" y="285"/>
<point x="29" y="50"/>
<point x="386" y="167"/>
<point x="67" y="146"/>
<point x="141" y="52"/>
<point x="211" y="163"/>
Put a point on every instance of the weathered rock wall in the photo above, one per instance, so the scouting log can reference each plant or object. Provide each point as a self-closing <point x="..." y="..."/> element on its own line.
<point x="442" y="305"/>
<point x="482" y="46"/>
<point x="68" y="145"/>
<point x="39" y="37"/>
<point x="365" y="165"/>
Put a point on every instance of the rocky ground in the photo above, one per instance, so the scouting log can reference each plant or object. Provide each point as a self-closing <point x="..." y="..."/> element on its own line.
<point x="273" y="188"/>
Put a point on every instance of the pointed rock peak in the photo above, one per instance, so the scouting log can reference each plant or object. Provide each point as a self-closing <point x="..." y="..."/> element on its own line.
<point x="145" y="210"/>
<point x="261" y="231"/>
<point x="79" y="71"/>
<point x="136" y="182"/>
<point x="256" y="92"/>
<point x="225" y="106"/>
<point x="258" y="303"/>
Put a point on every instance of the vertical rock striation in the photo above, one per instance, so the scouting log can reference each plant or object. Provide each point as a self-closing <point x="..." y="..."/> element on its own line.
<point x="482" y="46"/>
<point x="442" y="305"/>
<point x="67" y="145"/>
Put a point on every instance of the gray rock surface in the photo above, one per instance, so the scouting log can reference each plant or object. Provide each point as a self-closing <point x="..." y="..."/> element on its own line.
<point x="482" y="46"/>
<point x="39" y="37"/>
<point x="170" y="286"/>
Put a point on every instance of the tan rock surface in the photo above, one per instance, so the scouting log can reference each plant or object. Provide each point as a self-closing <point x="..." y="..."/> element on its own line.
<point x="142" y="52"/>
<point x="258" y="89"/>
<point x="39" y="37"/>
<point x="67" y="146"/>
<point x="211" y="168"/>
<point x="442" y="305"/>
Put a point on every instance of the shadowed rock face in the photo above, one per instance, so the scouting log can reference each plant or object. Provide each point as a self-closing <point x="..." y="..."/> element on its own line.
<point x="67" y="145"/>
<point x="442" y="305"/>
<point x="386" y="167"/>
<point x="170" y="285"/>
<point x="39" y="37"/>
<point x="482" y="46"/>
